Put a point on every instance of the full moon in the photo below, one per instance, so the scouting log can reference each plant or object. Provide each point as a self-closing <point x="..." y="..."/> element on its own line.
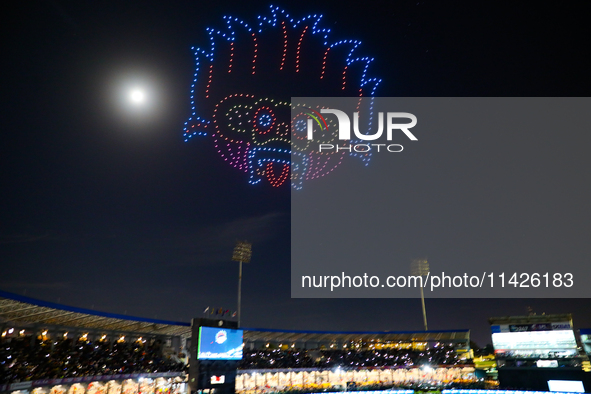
<point x="137" y="96"/>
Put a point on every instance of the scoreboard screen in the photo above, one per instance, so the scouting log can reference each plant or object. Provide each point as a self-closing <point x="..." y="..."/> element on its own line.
<point x="219" y="344"/>
<point x="532" y="340"/>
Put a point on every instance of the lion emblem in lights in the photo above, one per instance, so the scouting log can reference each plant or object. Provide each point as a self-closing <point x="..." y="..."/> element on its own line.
<point x="243" y="81"/>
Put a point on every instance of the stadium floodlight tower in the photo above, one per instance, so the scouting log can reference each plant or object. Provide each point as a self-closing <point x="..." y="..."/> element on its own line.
<point x="242" y="254"/>
<point x="420" y="267"/>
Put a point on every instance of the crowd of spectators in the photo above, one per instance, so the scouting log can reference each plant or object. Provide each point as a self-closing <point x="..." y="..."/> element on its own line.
<point x="349" y="358"/>
<point x="25" y="358"/>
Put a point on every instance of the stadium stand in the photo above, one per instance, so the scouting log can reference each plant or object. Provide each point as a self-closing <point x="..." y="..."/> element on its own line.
<point x="45" y="342"/>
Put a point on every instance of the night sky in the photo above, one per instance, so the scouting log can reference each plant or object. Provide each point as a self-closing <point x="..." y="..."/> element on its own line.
<point x="104" y="206"/>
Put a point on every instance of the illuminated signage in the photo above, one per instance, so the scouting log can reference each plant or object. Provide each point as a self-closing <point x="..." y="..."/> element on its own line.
<point x="219" y="344"/>
<point x="547" y="363"/>
<point x="534" y="340"/>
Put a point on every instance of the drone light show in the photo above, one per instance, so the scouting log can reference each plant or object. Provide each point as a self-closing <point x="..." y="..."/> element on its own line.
<point x="244" y="79"/>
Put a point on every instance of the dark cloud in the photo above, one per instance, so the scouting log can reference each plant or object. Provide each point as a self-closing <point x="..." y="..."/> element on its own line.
<point x="22" y="238"/>
<point x="50" y="285"/>
<point x="214" y="244"/>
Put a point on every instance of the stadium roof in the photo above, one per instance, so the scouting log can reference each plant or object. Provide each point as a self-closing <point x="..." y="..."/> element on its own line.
<point x="24" y="311"/>
<point x="532" y="319"/>
<point x="268" y="335"/>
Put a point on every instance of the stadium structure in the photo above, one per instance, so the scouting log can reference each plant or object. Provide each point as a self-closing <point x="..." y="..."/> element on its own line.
<point x="585" y="334"/>
<point x="533" y="351"/>
<point x="147" y="356"/>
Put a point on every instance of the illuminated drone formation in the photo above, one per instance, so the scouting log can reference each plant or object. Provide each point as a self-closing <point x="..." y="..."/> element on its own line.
<point x="243" y="82"/>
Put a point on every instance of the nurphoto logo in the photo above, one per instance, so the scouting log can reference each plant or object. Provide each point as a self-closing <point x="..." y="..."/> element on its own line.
<point x="344" y="130"/>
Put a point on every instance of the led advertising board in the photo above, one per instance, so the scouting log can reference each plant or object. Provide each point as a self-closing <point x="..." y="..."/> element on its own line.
<point x="564" y="339"/>
<point x="566" y="386"/>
